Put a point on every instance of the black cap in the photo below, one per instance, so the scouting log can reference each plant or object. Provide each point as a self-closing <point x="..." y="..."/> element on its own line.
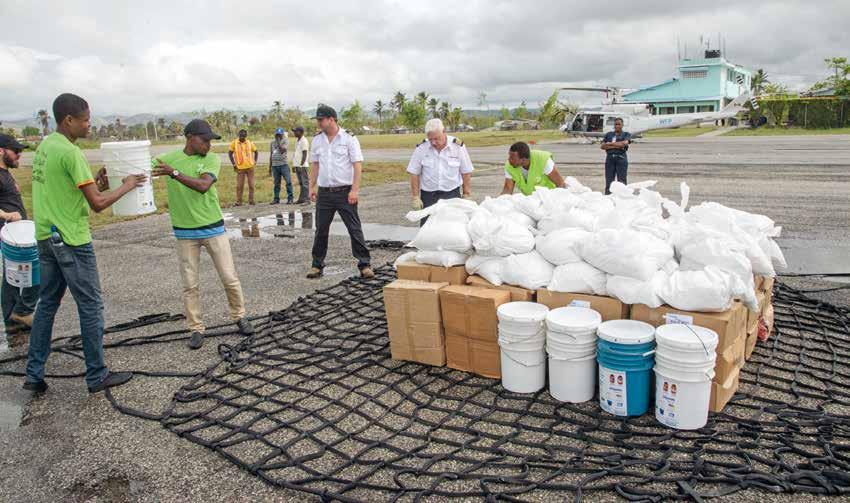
<point x="9" y="142"/>
<point x="323" y="112"/>
<point x="298" y="128"/>
<point x="200" y="128"/>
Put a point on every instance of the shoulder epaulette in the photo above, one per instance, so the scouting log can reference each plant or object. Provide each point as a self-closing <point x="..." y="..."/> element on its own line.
<point x="317" y="134"/>
<point x="421" y="142"/>
<point x="348" y="132"/>
<point x="458" y="141"/>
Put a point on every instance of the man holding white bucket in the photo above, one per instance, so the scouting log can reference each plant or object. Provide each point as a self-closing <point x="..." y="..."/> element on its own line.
<point x="198" y="223"/>
<point x="18" y="303"/>
<point x="63" y="191"/>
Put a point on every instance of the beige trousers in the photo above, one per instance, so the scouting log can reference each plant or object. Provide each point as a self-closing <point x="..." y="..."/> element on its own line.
<point x="189" y="252"/>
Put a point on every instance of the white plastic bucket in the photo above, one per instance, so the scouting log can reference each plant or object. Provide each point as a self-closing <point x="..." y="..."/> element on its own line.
<point x="572" y="380"/>
<point x="20" y="254"/>
<point x="687" y="343"/>
<point x="535" y="343"/>
<point x="521" y="318"/>
<point x="123" y="158"/>
<point x="680" y="404"/>
<point x="560" y="350"/>
<point x="572" y="320"/>
<point x="523" y="371"/>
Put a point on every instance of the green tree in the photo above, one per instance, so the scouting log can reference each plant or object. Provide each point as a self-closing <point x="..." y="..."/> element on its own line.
<point x="505" y="114"/>
<point x="399" y="99"/>
<point x="758" y="82"/>
<point x="521" y="112"/>
<point x="413" y="115"/>
<point x="432" y="107"/>
<point x="379" y="110"/>
<point x="353" y="118"/>
<point x="29" y="131"/>
<point x="553" y="113"/>
<point x="445" y="110"/>
<point x="422" y="98"/>
<point x="276" y="110"/>
<point x="839" y="80"/>
<point x="454" y="118"/>
<point x="44" y="120"/>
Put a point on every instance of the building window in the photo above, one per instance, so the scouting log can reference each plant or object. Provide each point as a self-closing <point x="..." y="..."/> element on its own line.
<point x="685" y="110"/>
<point x="695" y="74"/>
<point x="705" y="108"/>
<point x="666" y="111"/>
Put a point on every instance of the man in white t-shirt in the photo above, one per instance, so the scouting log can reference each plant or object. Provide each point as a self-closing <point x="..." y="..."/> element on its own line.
<point x="301" y="164"/>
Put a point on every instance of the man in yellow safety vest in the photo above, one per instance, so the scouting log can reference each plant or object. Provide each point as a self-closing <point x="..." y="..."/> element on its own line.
<point x="528" y="169"/>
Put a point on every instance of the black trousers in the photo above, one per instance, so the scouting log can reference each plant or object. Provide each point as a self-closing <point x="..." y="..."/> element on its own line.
<point x="430" y="198"/>
<point x="616" y="167"/>
<point x="303" y="181"/>
<point x="327" y="205"/>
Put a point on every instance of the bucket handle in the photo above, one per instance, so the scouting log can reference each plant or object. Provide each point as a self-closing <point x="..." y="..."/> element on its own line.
<point x="650" y="352"/>
<point x="522" y="363"/>
<point x="614" y="351"/>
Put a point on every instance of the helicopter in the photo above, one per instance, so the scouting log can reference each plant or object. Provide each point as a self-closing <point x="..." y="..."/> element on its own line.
<point x="591" y="122"/>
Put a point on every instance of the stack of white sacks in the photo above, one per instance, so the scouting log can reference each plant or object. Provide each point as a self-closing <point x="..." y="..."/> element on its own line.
<point x="634" y="245"/>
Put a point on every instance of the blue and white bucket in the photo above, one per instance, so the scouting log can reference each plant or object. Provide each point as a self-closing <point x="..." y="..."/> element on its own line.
<point x="625" y="356"/>
<point x="20" y="254"/>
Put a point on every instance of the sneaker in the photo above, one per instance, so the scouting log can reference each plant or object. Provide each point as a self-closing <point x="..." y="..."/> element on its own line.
<point x="196" y="340"/>
<point x="276" y="201"/>
<point x="289" y="201"/>
<point x="245" y="327"/>
<point x="112" y="379"/>
<point x="23" y="319"/>
<point x="35" y="387"/>
<point x="367" y="273"/>
<point x="314" y="273"/>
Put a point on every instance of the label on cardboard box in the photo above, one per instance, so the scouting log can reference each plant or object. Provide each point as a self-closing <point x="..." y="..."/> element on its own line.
<point x="580" y="303"/>
<point x="612" y="391"/>
<point x="678" y="319"/>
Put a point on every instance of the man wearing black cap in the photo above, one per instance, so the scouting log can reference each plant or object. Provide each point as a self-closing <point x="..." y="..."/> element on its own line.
<point x="198" y="223"/>
<point x="300" y="164"/>
<point x="337" y="163"/>
<point x="18" y="303"/>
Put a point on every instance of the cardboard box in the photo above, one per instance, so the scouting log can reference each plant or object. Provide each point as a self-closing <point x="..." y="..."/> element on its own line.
<point x="430" y="273"/>
<point x="758" y="281"/>
<point x="472" y="355"/>
<point x="753" y="316"/>
<point x="767" y="284"/>
<point x="729" y="324"/>
<point x="722" y="392"/>
<point x="730" y="359"/>
<point x="414" y="321"/>
<point x="518" y="293"/>
<point x="752" y="338"/>
<point x="609" y="308"/>
<point x="470" y="311"/>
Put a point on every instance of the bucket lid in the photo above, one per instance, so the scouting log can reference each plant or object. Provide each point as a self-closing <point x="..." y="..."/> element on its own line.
<point x="572" y="318"/>
<point x="626" y="332"/>
<point x="522" y="312"/>
<point x="687" y="337"/>
<point x="119" y="145"/>
<point x="20" y="233"/>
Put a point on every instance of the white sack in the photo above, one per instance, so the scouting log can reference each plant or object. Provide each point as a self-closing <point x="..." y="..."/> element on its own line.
<point x="626" y="253"/>
<point x="578" y="277"/>
<point x="528" y="270"/>
<point x="405" y="258"/>
<point x="489" y="268"/>
<point x="441" y="258"/>
<point x="709" y="289"/>
<point x="444" y="230"/>
<point x="634" y="291"/>
<point x="561" y="246"/>
<point x="496" y="236"/>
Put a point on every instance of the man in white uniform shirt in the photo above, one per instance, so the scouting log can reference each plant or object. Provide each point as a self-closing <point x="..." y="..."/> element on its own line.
<point x="300" y="164"/>
<point x="336" y="165"/>
<point x="439" y="167"/>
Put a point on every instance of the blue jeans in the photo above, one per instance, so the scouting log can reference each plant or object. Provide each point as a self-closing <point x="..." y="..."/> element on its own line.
<point x="282" y="171"/>
<point x="73" y="268"/>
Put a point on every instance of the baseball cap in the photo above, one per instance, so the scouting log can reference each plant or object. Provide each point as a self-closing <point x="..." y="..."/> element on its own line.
<point x="298" y="128"/>
<point x="323" y="112"/>
<point x="279" y="131"/>
<point x="10" y="143"/>
<point x="200" y="128"/>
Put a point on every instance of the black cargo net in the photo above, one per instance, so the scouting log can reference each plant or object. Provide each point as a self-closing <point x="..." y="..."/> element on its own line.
<point x="313" y="402"/>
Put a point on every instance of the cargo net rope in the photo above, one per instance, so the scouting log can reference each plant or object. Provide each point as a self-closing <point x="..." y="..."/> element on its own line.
<point x="313" y="402"/>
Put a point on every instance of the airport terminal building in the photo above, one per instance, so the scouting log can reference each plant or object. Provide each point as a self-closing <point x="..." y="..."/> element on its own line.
<point x="701" y="85"/>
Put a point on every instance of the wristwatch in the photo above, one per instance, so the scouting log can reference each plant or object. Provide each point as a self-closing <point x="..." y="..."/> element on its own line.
<point x="174" y="174"/>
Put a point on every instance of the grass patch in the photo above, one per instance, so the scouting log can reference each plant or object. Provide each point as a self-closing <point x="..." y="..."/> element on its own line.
<point x="374" y="173"/>
<point x="783" y="131"/>
<point x="682" y="132"/>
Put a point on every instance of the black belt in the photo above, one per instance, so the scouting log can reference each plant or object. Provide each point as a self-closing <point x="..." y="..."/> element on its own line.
<point x="341" y="188"/>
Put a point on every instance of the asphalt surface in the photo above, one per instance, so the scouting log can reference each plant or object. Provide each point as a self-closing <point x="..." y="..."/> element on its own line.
<point x="71" y="446"/>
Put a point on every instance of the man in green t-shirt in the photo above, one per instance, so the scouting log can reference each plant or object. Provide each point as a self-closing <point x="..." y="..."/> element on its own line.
<point x="63" y="191"/>
<point x="198" y="223"/>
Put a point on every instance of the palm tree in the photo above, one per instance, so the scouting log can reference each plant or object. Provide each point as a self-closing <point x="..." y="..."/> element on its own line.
<point x="398" y="101"/>
<point x="277" y="109"/>
<point x="445" y="109"/>
<point x="758" y="81"/>
<point x="44" y="119"/>
<point x="482" y="100"/>
<point x="432" y="107"/>
<point x="379" y="111"/>
<point x="422" y="98"/>
<point x="244" y="118"/>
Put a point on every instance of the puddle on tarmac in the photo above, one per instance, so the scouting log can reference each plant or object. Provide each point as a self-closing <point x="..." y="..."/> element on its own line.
<point x="10" y="415"/>
<point x="275" y="226"/>
<point x="816" y="257"/>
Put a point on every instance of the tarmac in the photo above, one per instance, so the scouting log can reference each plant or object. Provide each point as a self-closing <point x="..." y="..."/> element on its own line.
<point x="68" y="445"/>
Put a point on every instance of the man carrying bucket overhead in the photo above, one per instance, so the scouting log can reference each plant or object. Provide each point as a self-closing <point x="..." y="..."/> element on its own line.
<point x="198" y="223"/>
<point x="528" y="169"/>
<point x="18" y="303"/>
<point x="63" y="191"/>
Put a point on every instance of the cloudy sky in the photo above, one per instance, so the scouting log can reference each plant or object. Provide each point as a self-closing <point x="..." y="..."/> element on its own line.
<point x="173" y="56"/>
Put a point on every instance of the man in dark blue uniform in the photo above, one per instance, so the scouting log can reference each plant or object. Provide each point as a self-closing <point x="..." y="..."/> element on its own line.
<point x="616" y="144"/>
